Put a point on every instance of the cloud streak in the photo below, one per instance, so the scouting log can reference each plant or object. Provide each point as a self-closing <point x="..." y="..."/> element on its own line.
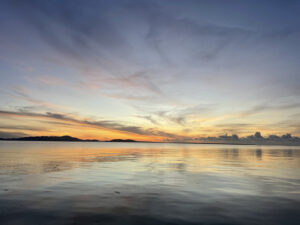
<point x="103" y="124"/>
<point x="20" y="92"/>
<point x="4" y="134"/>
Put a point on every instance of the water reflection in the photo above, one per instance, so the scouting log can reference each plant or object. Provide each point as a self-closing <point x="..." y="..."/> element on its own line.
<point x="259" y="154"/>
<point x="113" y="183"/>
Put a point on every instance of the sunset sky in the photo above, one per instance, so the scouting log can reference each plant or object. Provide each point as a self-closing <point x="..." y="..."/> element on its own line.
<point x="169" y="70"/>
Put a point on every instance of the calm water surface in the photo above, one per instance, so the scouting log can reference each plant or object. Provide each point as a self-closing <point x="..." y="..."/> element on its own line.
<point x="136" y="183"/>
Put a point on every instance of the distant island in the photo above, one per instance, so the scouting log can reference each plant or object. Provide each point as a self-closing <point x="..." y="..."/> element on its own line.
<point x="122" y="140"/>
<point x="65" y="138"/>
<point x="49" y="138"/>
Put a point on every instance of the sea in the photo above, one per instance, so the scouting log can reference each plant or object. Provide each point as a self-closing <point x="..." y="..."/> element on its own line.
<point x="91" y="183"/>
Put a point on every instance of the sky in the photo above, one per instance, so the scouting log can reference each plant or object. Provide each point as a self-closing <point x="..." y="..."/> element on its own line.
<point x="168" y="70"/>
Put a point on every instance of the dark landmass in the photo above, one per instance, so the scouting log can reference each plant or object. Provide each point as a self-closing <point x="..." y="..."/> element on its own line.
<point x="65" y="138"/>
<point x="256" y="139"/>
<point x="49" y="138"/>
<point x="122" y="140"/>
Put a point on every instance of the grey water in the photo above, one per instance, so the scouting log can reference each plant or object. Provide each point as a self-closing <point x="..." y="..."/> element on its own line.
<point x="148" y="183"/>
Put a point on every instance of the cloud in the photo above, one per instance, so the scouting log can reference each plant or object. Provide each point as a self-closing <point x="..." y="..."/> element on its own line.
<point x="193" y="41"/>
<point x="257" y="138"/>
<point x="150" y="119"/>
<point x="256" y="109"/>
<point x="20" y="92"/>
<point x="181" y="39"/>
<point x="49" y="80"/>
<point x="137" y="80"/>
<point x="4" y="134"/>
<point x="269" y="106"/>
<point x="136" y="86"/>
<point x="166" y="115"/>
<point x="180" y="115"/>
<point x="161" y="116"/>
<point x="73" y="29"/>
<point x="17" y="127"/>
<point x="103" y="124"/>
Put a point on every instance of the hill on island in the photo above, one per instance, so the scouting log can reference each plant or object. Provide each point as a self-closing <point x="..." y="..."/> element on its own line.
<point x="50" y="138"/>
<point x="65" y="138"/>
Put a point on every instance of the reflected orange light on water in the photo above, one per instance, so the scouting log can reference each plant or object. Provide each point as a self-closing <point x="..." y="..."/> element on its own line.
<point x="42" y="157"/>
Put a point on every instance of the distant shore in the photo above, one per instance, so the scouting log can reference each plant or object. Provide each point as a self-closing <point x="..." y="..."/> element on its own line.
<point x="74" y="139"/>
<point x="65" y="138"/>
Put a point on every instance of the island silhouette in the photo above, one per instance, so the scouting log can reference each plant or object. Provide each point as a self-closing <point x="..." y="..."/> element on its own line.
<point x="256" y="139"/>
<point x="65" y="138"/>
<point x="49" y="138"/>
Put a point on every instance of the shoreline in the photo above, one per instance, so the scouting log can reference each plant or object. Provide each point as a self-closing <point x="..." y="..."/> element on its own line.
<point x="199" y="143"/>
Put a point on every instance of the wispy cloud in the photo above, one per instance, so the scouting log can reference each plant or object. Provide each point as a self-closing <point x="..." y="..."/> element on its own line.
<point x="101" y="124"/>
<point x="49" y="80"/>
<point x="150" y="119"/>
<point x="17" y="127"/>
<point x="268" y="106"/>
<point x="4" y="134"/>
<point x="137" y="86"/>
<point x="20" y="92"/>
<point x="179" y="115"/>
